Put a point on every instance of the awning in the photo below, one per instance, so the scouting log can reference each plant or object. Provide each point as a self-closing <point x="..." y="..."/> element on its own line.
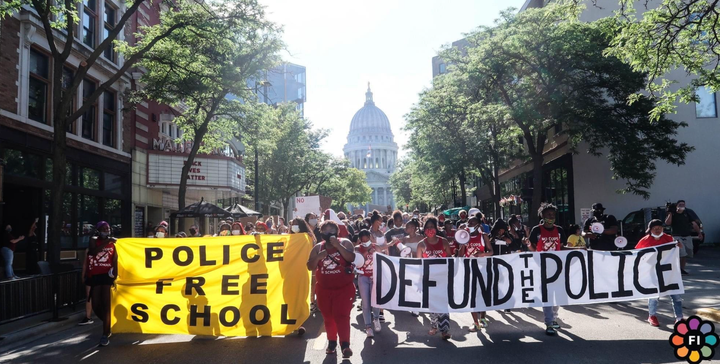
<point x="201" y="209"/>
<point x="239" y="211"/>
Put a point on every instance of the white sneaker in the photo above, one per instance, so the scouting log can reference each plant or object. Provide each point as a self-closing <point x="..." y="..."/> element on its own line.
<point x="370" y="333"/>
<point x="376" y="324"/>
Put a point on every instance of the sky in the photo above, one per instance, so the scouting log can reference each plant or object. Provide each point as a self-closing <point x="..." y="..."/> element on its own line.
<point x="389" y="43"/>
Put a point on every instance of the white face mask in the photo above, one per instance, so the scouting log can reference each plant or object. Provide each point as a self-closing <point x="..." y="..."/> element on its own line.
<point x="295" y="228"/>
<point x="236" y="232"/>
<point x="472" y="229"/>
<point x="680" y="209"/>
<point x="656" y="236"/>
<point x="313" y="222"/>
<point x="159" y="234"/>
<point x="415" y="216"/>
<point x="367" y="244"/>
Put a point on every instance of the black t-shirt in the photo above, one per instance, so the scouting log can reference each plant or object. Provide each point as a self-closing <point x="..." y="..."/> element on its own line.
<point x="681" y="224"/>
<point x="460" y="222"/>
<point x="389" y="235"/>
<point x="604" y="241"/>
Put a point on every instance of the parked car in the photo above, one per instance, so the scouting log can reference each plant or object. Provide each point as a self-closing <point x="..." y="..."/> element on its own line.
<point x="634" y="225"/>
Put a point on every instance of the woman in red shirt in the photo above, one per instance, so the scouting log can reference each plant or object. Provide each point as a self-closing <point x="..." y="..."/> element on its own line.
<point x="434" y="246"/>
<point x="101" y="270"/>
<point x="332" y="259"/>
<point x="478" y="246"/>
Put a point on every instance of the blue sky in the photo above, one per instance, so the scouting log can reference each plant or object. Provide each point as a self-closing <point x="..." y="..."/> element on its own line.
<point x="389" y="43"/>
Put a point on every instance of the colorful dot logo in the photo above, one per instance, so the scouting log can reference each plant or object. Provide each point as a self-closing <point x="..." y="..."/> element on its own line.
<point x="694" y="340"/>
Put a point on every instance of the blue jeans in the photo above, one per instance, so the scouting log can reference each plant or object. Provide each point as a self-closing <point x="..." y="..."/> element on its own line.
<point x="551" y="314"/>
<point x="676" y="303"/>
<point x="8" y="255"/>
<point x="365" y="284"/>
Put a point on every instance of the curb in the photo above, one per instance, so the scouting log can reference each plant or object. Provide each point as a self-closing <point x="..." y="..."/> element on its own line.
<point x="45" y="328"/>
<point x="712" y="314"/>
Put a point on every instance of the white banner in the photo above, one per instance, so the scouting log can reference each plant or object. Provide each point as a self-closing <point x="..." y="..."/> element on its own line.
<point x="570" y="277"/>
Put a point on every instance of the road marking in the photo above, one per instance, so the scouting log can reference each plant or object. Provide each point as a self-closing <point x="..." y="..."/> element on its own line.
<point x="89" y="355"/>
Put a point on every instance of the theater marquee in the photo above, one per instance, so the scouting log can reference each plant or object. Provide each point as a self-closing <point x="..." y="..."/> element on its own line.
<point x="215" y="172"/>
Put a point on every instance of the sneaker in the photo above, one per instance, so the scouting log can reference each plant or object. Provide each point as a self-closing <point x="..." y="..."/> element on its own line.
<point x="550" y="331"/>
<point x="474" y="328"/>
<point x="381" y="317"/>
<point x="484" y="322"/>
<point x="346" y="351"/>
<point x="679" y="319"/>
<point x="104" y="341"/>
<point x="301" y="331"/>
<point x="555" y="325"/>
<point x="370" y="333"/>
<point x="446" y="336"/>
<point x="332" y="346"/>
<point x="376" y="325"/>
<point x="653" y="320"/>
<point x="684" y="272"/>
<point x="85" y="321"/>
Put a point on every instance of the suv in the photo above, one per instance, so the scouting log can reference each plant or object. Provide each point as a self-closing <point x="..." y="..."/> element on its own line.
<point x="634" y="225"/>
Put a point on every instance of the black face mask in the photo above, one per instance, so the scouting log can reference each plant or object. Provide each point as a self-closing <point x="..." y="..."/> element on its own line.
<point x="193" y="232"/>
<point x="326" y="236"/>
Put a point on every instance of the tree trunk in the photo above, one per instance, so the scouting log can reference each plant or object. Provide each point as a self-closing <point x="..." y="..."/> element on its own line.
<point x="182" y="191"/>
<point x="59" y="173"/>
<point x="498" y="190"/>
<point x="463" y="192"/>
<point x="537" y="188"/>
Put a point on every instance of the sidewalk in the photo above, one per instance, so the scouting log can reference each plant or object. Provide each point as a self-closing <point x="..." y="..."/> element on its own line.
<point x="25" y="330"/>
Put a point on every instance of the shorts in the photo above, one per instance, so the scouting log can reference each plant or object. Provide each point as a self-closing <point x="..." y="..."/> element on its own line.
<point x="101" y="280"/>
<point x="687" y="250"/>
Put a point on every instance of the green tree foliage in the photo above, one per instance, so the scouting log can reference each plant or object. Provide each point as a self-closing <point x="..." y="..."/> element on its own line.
<point x="59" y="21"/>
<point x="421" y="184"/>
<point x="545" y="68"/>
<point x="672" y="35"/>
<point x="196" y="67"/>
<point x="344" y="184"/>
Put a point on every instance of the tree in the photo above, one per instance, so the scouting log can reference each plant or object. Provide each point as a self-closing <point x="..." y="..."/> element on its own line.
<point x="677" y="34"/>
<point x="345" y="185"/>
<point x="417" y="183"/>
<point x="59" y="21"/>
<point x="197" y="67"/>
<point x="548" y="69"/>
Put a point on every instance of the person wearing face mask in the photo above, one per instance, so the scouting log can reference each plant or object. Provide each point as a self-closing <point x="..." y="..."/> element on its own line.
<point x="683" y="224"/>
<point x="312" y="221"/>
<point x="237" y="228"/>
<point x="365" y="282"/>
<point x="161" y="232"/>
<point x="101" y="269"/>
<point x="299" y="226"/>
<point x="378" y="239"/>
<point x="478" y="246"/>
<point x="434" y="246"/>
<point x="332" y="259"/>
<point x="225" y="230"/>
<point x="395" y="233"/>
<point x="261" y="228"/>
<point x="463" y="218"/>
<point x="194" y="231"/>
<point x="655" y="236"/>
<point x="548" y="237"/>
<point x="8" y="250"/>
<point x="606" y="240"/>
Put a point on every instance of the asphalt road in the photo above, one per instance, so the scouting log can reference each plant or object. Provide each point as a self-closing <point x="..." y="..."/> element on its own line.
<point x="600" y="333"/>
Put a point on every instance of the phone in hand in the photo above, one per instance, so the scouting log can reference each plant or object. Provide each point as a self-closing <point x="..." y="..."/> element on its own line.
<point x="37" y="219"/>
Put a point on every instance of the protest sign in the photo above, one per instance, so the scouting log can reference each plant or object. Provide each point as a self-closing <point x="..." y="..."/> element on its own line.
<point x="571" y="277"/>
<point x="223" y="286"/>
<point x="307" y="204"/>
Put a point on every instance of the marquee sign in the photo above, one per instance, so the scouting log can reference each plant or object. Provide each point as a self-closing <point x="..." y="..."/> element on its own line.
<point x="165" y="170"/>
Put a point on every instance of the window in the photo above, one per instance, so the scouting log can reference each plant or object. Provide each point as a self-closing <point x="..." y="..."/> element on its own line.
<point x="38" y="87"/>
<point x="109" y="119"/>
<point x="705" y="107"/>
<point x="109" y="25"/>
<point x="443" y="68"/>
<point x="89" y="22"/>
<point x="89" y="118"/>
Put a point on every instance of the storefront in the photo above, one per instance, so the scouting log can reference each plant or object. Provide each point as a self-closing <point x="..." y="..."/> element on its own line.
<point x="97" y="188"/>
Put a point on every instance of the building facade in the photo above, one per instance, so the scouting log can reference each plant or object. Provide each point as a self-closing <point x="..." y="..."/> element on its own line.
<point x="371" y="148"/>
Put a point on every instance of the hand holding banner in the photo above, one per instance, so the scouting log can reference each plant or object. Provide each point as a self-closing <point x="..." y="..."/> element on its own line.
<point x="223" y="286"/>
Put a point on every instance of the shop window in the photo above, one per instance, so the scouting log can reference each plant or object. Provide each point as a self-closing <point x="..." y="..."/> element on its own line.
<point x="49" y="172"/>
<point x="90" y="178"/>
<point x="38" y="100"/>
<point x="109" y="20"/>
<point x="22" y="164"/>
<point x="109" y="119"/>
<point x="112" y="183"/>
<point x="88" y="216"/>
<point x="113" y="215"/>
<point x="90" y="116"/>
<point x="67" y="232"/>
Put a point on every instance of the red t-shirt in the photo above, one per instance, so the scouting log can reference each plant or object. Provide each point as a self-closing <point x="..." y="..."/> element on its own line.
<point x="367" y="267"/>
<point x="476" y="245"/>
<point x="436" y="250"/>
<point x="331" y="272"/>
<point x="648" y="241"/>
<point x="101" y="262"/>
<point x="549" y="240"/>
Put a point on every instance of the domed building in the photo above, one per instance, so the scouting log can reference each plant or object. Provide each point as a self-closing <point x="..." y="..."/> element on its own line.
<point x="371" y="148"/>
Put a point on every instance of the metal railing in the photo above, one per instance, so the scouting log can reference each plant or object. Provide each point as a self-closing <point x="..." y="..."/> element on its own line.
<point x="31" y="296"/>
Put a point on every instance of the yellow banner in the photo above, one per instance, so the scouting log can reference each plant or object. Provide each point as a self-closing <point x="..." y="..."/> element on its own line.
<point x="223" y="286"/>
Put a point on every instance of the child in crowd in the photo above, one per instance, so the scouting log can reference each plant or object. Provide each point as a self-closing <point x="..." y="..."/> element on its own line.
<point x="575" y="240"/>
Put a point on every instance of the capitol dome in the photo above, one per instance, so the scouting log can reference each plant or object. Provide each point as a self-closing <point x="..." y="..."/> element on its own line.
<point x="371" y="148"/>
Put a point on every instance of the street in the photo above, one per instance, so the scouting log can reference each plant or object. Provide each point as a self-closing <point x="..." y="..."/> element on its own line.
<point x="602" y="333"/>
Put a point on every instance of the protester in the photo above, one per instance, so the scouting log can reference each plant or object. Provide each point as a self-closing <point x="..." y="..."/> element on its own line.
<point x="224" y="229"/>
<point x="396" y="232"/>
<point x="606" y="240"/>
<point x="249" y="228"/>
<point x="237" y="228"/>
<point x="299" y="226"/>
<point x="501" y="240"/>
<point x="343" y="232"/>
<point x="194" y="231"/>
<point x="332" y="259"/>
<point x="371" y="316"/>
<point x="463" y="219"/>
<point x="87" y="320"/>
<point x="655" y="236"/>
<point x="261" y="228"/>
<point x="682" y="224"/>
<point x="484" y="225"/>
<point x="161" y="232"/>
<point x="477" y="246"/>
<point x="575" y="240"/>
<point x="548" y="237"/>
<point x="102" y="269"/>
<point x="181" y="235"/>
<point x="450" y="236"/>
<point x="406" y="217"/>
<point x="9" y="242"/>
<point x="519" y="232"/>
<point x="270" y="226"/>
<point x="378" y="240"/>
<point x="434" y="246"/>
